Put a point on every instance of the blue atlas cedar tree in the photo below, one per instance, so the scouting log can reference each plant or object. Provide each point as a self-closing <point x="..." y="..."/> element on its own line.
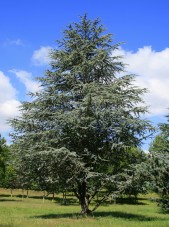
<point x="79" y="127"/>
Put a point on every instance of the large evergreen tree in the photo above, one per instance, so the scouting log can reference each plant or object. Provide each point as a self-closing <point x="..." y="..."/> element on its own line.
<point x="78" y="128"/>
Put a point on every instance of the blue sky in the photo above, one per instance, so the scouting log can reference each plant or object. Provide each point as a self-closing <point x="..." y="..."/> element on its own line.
<point x="28" y="29"/>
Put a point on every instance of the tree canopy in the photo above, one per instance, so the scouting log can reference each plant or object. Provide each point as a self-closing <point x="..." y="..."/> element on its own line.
<point x="79" y="128"/>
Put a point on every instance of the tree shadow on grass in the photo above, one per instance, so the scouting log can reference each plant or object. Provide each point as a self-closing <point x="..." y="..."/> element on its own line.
<point x="123" y="201"/>
<point x="8" y="200"/>
<point x="5" y="195"/>
<point x="6" y="225"/>
<point x="58" y="200"/>
<point x="131" y="201"/>
<point x="124" y="215"/>
<point x="53" y="216"/>
<point x="113" y="214"/>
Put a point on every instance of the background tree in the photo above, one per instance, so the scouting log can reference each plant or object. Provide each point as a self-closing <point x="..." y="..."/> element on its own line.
<point x="4" y="154"/>
<point x="161" y="141"/>
<point x="158" y="165"/>
<point x="79" y="128"/>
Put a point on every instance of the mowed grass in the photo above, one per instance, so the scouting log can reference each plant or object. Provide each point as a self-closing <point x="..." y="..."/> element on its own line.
<point x="33" y="212"/>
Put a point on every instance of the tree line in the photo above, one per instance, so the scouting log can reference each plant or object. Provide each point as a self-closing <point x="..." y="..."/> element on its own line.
<point x="84" y="129"/>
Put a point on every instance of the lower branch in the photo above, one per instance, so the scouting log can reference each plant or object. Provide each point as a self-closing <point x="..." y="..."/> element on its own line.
<point x="101" y="201"/>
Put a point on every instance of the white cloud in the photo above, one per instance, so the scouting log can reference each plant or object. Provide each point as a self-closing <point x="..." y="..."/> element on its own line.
<point x="17" y="42"/>
<point x="8" y="96"/>
<point x="27" y="79"/>
<point x="41" y="56"/>
<point x="8" y="102"/>
<point x="152" y="69"/>
<point x="7" y="91"/>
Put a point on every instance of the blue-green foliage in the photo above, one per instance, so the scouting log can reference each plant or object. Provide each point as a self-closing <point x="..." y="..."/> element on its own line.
<point x="79" y="127"/>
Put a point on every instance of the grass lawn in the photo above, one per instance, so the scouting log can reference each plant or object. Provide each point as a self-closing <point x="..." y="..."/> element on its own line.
<point x="33" y="212"/>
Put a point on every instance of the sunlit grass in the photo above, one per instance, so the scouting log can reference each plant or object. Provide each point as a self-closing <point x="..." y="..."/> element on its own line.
<point x="33" y="212"/>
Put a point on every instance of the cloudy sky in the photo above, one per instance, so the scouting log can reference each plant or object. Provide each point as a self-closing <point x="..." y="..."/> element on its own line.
<point x="28" y="30"/>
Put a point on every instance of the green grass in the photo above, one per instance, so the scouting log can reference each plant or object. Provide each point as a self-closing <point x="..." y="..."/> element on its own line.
<point x="33" y="212"/>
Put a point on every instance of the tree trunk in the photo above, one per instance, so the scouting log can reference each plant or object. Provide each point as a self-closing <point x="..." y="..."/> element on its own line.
<point x="83" y="198"/>
<point x="44" y="194"/>
<point x="11" y="192"/>
<point x="64" y="198"/>
<point x="22" y="193"/>
<point x="53" y="197"/>
<point x="27" y="194"/>
<point x="85" y="208"/>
